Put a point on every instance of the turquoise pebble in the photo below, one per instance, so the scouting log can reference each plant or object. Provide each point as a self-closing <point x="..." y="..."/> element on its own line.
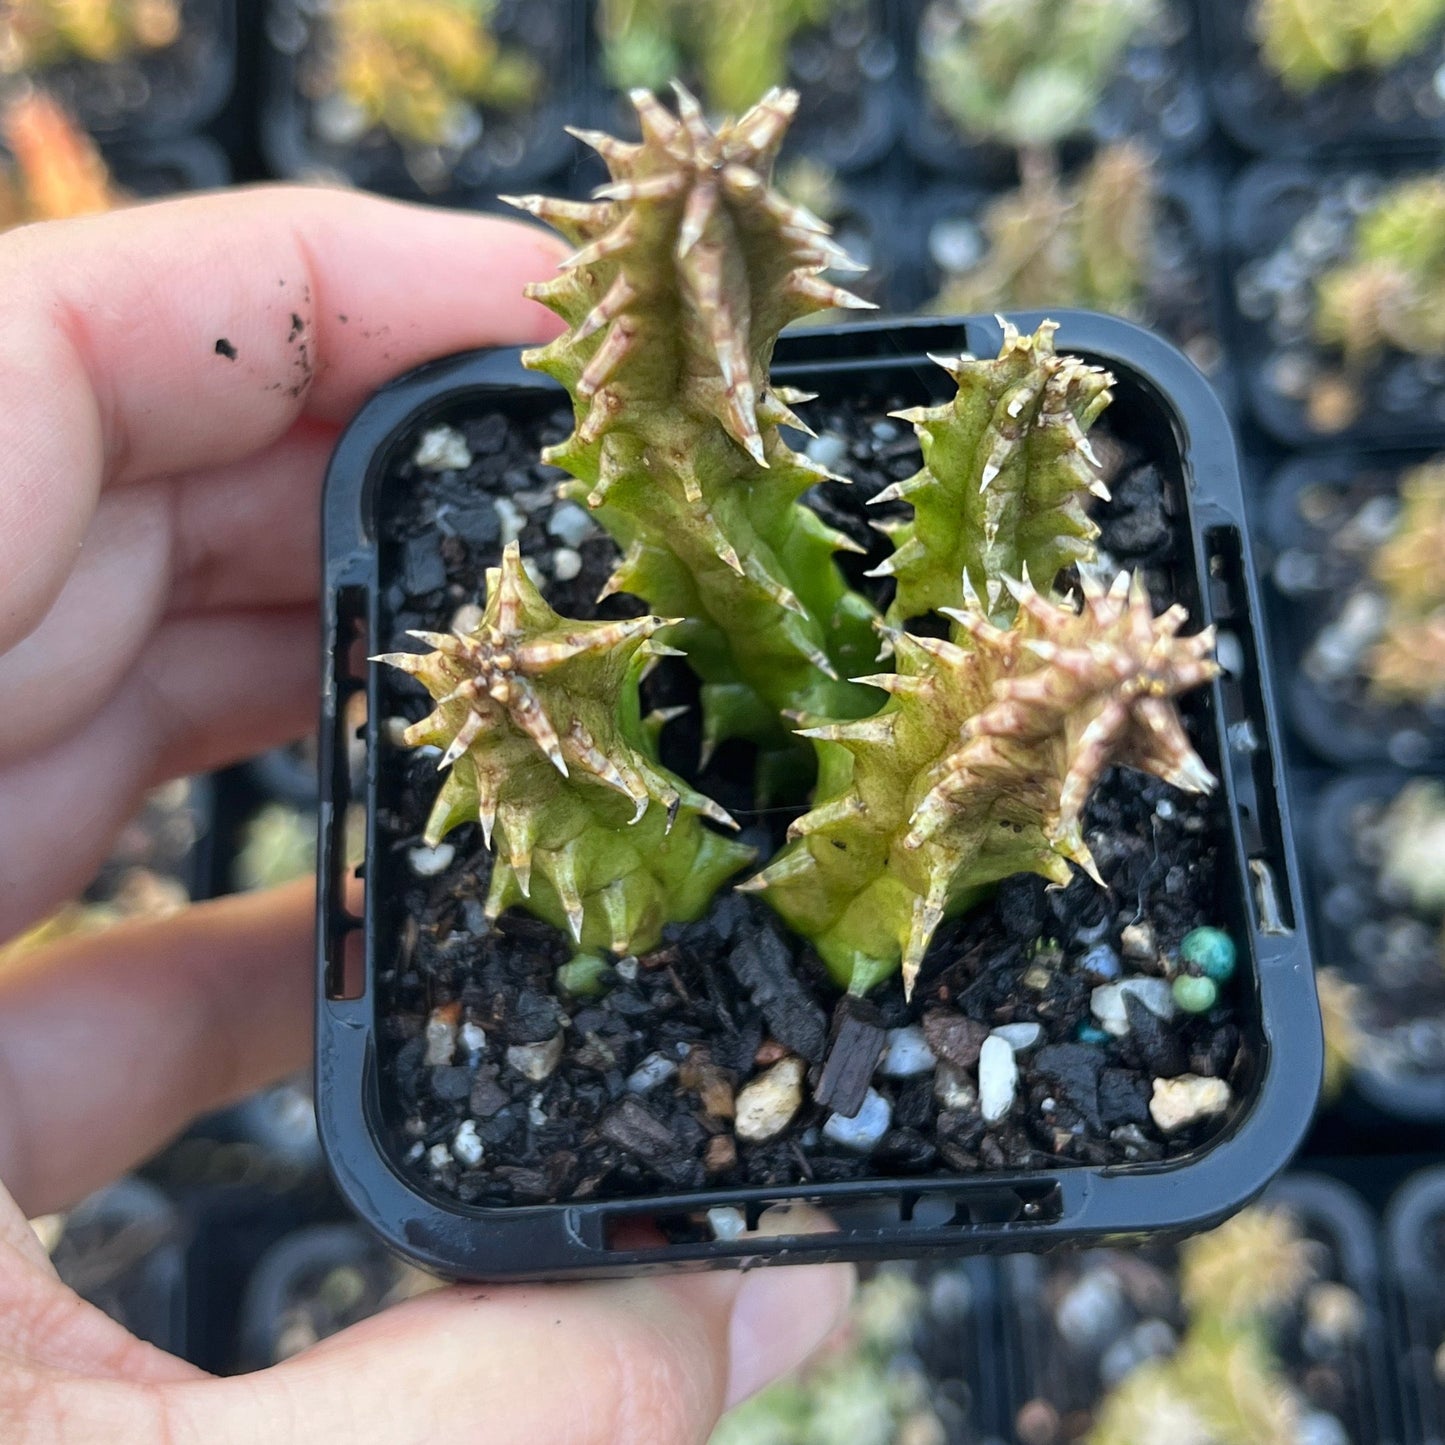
<point x="1088" y="1034"/>
<point x="1195" y="995"/>
<point x="1210" y="951"/>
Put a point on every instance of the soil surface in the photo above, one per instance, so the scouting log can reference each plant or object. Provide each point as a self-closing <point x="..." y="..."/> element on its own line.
<point x="500" y="1090"/>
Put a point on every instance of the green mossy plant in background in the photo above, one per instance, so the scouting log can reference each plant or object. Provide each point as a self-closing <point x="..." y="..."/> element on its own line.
<point x="415" y="68"/>
<point x="738" y="49"/>
<point x="37" y="33"/>
<point x="1309" y="42"/>
<point x="537" y="720"/>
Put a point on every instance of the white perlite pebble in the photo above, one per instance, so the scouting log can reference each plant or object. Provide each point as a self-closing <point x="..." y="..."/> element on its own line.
<point x="473" y="1038"/>
<point x="535" y="1061"/>
<point x="1182" y="1101"/>
<point x="536" y="1111"/>
<point x="438" y="1156"/>
<point x="626" y="968"/>
<point x="765" y="1105"/>
<point x="441" y="1041"/>
<point x="1107" y="1002"/>
<point x="655" y="1069"/>
<point x="863" y="1131"/>
<point x="1019" y="1037"/>
<point x="953" y="1088"/>
<point x="570" y="525"/>
<point x="510" y="519"/>
<point x="442" y="449"/>
<point x="828" y="450"/>
<point x="566" y="564"/>
<point x="466" y="1147"/>
<point x="998" y="1079"/>
<point x="906" y="1054"/>
<point x="727" y="1222"/>
<point x="428" y="862"/>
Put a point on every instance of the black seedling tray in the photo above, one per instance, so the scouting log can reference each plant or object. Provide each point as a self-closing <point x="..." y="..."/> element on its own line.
<point x="1343" y="730"/>
<point x="1258" y="112"/>
<point x="293" y="152"/>
<point x="1415" y="1245"/>
<point x="1327" y="1211"/>
<point x="1261" y="209"/>
<point x="1415" y="1096"/>
<point x="1163" y="403"/>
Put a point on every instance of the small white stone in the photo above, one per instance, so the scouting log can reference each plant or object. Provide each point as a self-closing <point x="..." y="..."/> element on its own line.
<point x="536" y="1114"/>
<point x="510" y="519"/>
<point x="953" y="1088"/>
<point x="727" y="1222"/>
<point x="626" y="969"/>
<point x="428" y="862"/>
<point x="1180" y="1102"/>
<point x="1019" y="1037"/>
<point x="863" y="1131"/>
<point x="438" y="1157"/>
<point x="570" y="524"/>
<point x="765" y="1105"/>
<point x="566" y="564"/>
<point x="906" y="1054"/>
<point x="535" y="1061"/>
<point x="1107" y="1002"/>
<point x="441" y="1040"/>
<point x="466" y="1147"/>
<point x="827" y="450"/>
<point x="998" y="1079"/>
<point x="413" y="1154"/>
<point x="442" y="449"/>
<point x="1137" y="942"/>
<point x="467" y="618"/>
<point x="473" y="1038"/>
<point x="393" y="731"/>
<point x="655" y="1069"/>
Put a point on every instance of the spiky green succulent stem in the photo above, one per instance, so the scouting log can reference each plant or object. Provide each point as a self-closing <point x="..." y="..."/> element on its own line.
<point x="1006" y="467"/>
<point x="689" y="264"/>
<point x="534" y="718"/>
<point x="980" y="767"/>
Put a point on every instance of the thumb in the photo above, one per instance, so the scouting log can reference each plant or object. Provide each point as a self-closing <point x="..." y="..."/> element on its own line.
<point x="653" y="1360"/>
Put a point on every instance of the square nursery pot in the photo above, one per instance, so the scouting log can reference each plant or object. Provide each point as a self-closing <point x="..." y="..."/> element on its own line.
<point x="393" y="533"/>
<point x="1156" y="98"/>
<point x="1323" y="519"/>
<point x="1382" y="945"/>
<point x="1289" y="221"/>
<point x="1398" y="110"/>
<point x="1415" y="1241"/>
<point x="302" y="137"/>
<point x="153" y="93"/>
<point x="1076" y="1324"/>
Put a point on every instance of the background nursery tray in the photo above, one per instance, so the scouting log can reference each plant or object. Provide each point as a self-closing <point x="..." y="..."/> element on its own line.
<point x="1163" y="405"/>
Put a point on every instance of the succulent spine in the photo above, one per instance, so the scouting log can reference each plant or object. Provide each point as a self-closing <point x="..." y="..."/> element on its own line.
<point x="689" y="264"/>
<point x="1006" y="467"/>
<point x="591" y="833"/>
<point x="979" y="767"/>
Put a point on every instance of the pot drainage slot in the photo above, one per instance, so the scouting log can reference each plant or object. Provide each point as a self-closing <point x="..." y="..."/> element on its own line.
<point x="343" y="825"/>
<point x="1247" y="759"/>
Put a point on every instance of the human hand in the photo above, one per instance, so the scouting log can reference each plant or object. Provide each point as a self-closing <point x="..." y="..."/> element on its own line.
<point x="173" y="378"/>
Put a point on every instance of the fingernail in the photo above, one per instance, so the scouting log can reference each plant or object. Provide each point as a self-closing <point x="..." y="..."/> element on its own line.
<point x="781" y="1316"/>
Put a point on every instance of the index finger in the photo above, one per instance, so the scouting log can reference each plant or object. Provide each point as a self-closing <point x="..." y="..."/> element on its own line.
<point x="190" y="333"/>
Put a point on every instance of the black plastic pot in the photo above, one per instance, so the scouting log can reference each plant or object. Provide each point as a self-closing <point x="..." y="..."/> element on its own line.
<point x="123" y="1250"/>
<point x="1415" y="1244"/>
<point x="164" y="92"/>
<point x="1359" y="111"/>
<point x="1162" y="106"/>
<point x="1161" y="401"/>
<point x="1400" y="407"/>
<point x="1416" y="1095"/>
<point x="294" y="151"/>
<point x="1043" y="1365"/>
<point x="1338" y="722"/>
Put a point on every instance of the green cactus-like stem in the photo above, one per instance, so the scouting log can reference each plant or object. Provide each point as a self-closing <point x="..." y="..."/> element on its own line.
<point x="980" y="767"/>
<point x="689" y="266"/>
<point x="591" y="833"/>
<point x="1006" y="467"/>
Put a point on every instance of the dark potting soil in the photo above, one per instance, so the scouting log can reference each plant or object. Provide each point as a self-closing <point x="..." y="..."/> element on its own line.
<point x="1390" y="950"/>
<point x="334" y="139"/>
<point x="1087" y="1321"/>
<point x="1337" y="529"/>
<point x="175" y="87"/>
<point x="1307" y="229"/>
<point x="633" y="1090"/>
